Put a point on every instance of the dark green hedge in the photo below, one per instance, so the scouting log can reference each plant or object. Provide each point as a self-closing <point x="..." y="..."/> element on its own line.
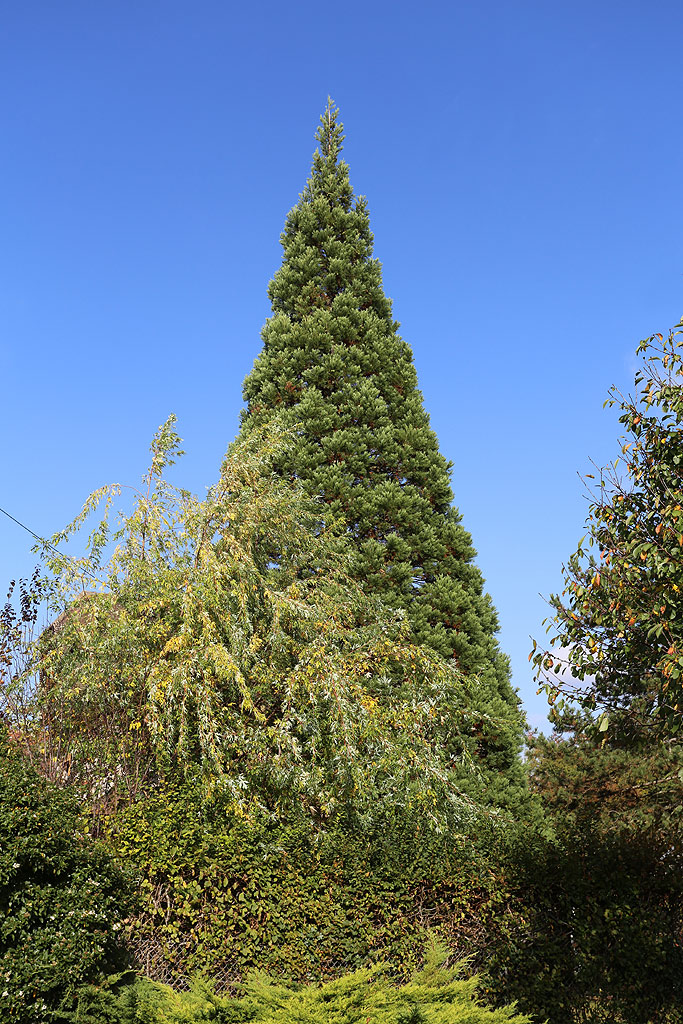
<point x="62" y="899"/>
<point x="289" y="897"/>
<point x="593" y="930"/>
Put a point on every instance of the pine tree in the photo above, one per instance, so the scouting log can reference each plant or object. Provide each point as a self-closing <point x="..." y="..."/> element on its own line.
<point x="334" y="364"/>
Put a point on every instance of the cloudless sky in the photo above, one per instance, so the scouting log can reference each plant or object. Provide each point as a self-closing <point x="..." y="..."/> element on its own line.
<point x="522" y="163"/>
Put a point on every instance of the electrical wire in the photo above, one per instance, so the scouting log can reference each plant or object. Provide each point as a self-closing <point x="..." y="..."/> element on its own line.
<point x="46" y="543"/>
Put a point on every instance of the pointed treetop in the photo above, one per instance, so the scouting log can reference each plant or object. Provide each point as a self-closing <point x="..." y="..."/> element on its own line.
<point x="330" y="134"/>
<point x="329" y="178"/>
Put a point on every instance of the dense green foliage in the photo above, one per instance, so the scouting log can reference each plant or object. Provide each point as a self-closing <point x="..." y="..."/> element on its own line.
<point x="313" y="809"/>
<point x="223" y="893"/>
<point x="286" y="709"/>
<point x="592" y="928"/>
<point x="577" y="922"/>
<point x="617" y="629"/>
<point x="334" y="365"/>
<point x="61" y="897"/>
<point x="610" y="782"/>
<point x="434" y="995"/>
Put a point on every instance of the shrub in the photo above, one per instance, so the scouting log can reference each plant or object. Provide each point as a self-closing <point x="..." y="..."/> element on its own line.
<point x="592" y="928"/>
<point x="437" y="994"/>
<point x="61" y="896"/>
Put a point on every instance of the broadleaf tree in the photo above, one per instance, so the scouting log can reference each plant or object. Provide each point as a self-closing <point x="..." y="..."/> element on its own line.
<point x="334" y="365"/>
<point x="616" y="632"/>
<point x="226" y="640"/>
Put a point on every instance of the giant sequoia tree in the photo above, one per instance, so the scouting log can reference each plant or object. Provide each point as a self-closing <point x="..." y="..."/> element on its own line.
<point x="334" y="364"/>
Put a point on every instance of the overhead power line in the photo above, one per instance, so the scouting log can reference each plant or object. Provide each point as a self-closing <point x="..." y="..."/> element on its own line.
<point x="47" y="544"/>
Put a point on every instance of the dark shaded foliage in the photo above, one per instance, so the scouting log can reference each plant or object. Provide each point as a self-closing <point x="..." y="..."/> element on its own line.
<point x="62" y="898"/>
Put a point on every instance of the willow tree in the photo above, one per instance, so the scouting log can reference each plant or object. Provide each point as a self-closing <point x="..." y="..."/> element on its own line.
<point x="334" y="365"/>
<point x="224" y="639"/>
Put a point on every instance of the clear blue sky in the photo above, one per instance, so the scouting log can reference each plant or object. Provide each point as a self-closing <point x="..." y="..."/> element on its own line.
<point x="523" y="168"/>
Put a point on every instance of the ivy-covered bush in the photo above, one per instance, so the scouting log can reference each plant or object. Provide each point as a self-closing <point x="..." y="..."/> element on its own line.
<point x="62" y="899"/>
<point x="224" y="892"/>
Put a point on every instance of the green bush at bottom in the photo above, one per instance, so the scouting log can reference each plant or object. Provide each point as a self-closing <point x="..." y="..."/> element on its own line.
<point x="436" y="995"/>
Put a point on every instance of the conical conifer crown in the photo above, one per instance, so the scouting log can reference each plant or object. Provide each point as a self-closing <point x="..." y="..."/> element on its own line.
<point x="334" y="364"/>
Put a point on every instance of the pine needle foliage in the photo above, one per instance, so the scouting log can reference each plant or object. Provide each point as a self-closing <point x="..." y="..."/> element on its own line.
<point x="435" y="995"/>
<point x="334" y="364"/>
